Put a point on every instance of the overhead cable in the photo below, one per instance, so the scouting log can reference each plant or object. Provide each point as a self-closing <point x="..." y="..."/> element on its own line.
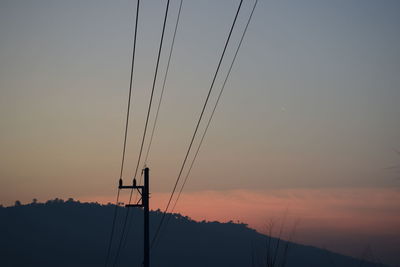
<point x="125" y="134"/>
<point x="197" y="126"/>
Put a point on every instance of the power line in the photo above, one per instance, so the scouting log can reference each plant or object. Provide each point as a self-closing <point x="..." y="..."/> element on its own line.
<point x="216" y="104"/>
<point x="164" y="81"/>
<point x="197" y="125"/>
<point x="152" y="89"/>
<point x="145" y="128"/>
<point x="212" y="113"/>
<point x="126" y="133"/>
<point x="160" y="100"/>
<point x="112" y="229"/>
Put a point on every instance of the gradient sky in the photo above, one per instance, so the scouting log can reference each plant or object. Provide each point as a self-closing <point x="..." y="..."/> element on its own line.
<point x="312" y="104"/>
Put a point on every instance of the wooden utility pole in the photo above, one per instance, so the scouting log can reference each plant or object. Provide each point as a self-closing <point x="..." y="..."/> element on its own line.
<point x="145" y="202"/>
<point x="142" y="202"/>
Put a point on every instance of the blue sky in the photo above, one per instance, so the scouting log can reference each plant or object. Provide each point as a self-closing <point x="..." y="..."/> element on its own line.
<point x="315" y="88"/>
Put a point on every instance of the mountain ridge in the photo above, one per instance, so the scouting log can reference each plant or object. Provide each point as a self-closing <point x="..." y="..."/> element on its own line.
<point x="71" y="233"/>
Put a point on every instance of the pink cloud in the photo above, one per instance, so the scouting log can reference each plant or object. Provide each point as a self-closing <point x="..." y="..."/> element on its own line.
<point x="345" y="220"/>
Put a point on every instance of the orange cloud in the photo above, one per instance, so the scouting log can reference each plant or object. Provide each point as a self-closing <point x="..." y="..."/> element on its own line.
<point x="342" y="219"/>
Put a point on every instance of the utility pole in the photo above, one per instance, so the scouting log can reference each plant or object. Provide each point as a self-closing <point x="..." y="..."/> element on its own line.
<point x="144" y="203"/>
<point x="146" y="237"/>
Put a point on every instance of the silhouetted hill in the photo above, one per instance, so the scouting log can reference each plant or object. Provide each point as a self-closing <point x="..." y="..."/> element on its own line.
<point x="70" y="233"/>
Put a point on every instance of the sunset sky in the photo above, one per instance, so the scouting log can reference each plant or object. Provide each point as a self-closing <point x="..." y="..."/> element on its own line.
<point x="308" y="124"/>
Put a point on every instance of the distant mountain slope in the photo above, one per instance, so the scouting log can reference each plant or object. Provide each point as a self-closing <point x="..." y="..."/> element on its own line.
<point x="70" y="233"/>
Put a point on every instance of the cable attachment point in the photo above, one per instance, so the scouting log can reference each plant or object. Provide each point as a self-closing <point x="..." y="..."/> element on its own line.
<point x="120" y="182"/>
<point x="144" y="167"/>
<point x="134" y="182"/>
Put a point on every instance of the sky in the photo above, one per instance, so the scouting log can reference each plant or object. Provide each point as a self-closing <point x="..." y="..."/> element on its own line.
<point x="307" y="125"/>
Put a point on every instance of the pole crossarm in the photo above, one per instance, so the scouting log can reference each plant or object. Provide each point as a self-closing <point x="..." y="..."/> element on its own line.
<point x="130" y="187"/>
<point x="140" y="189"/>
